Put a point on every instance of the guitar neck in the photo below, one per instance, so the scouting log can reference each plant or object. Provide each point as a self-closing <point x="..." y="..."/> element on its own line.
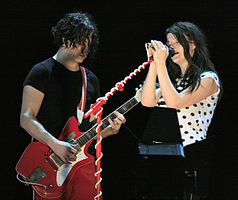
<point x="91" y="133"/>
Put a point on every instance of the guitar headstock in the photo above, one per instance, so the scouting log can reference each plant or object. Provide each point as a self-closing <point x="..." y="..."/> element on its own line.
<point x="138" y="93"/>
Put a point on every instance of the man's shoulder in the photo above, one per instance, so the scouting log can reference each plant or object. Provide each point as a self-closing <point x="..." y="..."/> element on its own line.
<point x="44" y="65"/>
<point x="90" y="74"/>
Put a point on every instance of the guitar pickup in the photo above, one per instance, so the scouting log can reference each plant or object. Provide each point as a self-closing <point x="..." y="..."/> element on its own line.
<point x="70" y="136"/>
<point x="75" y="143"/>
<point x="51" y="164"/>
<point x="57" y="161"/>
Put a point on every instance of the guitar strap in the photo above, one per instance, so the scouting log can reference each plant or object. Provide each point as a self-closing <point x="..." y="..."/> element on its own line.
<point x="81" y="105"/>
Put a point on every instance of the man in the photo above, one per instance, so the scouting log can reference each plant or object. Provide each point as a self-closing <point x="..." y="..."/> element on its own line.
<point x="53" y="89"/>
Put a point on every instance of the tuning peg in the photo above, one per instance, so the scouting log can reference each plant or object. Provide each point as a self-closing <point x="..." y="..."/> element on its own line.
<point x="140" y="86"/>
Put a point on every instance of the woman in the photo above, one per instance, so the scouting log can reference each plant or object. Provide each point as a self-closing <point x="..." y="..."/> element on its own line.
<point x="189" y="86"/>
<point x="189" y="82"/>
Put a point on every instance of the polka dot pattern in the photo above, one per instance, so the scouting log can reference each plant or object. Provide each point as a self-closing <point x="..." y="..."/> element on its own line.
<point x="195" y="119"/>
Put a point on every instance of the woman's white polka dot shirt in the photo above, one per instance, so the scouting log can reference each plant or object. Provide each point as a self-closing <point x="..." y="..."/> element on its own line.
<point x="194" y="120"/>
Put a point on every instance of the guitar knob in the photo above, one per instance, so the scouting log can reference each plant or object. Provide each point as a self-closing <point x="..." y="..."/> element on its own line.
<point x="46" y="154"/>
<point x="50" y="186"/>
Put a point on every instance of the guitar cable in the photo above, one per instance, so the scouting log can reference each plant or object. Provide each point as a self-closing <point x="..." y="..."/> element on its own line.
<point x="30" y="183"/>
<point x="132" y="133"/>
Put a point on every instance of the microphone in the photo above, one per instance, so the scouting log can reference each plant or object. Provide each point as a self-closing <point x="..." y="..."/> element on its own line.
<point x="171" y="50"/>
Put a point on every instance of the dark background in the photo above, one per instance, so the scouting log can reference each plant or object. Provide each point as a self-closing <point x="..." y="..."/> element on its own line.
<point x="124" y="28"/>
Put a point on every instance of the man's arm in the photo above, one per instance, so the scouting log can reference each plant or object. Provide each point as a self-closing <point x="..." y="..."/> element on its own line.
<point x="31" y="103"/>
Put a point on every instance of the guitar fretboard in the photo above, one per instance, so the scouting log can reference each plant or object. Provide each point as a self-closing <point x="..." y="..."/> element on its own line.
<point x="91" y="133"/>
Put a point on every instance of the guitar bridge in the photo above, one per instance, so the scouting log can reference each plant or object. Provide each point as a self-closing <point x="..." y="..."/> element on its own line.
<point x="36" y="175"/>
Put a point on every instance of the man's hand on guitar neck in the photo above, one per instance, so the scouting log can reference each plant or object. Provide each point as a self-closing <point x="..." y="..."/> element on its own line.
<point x="114" y="126"/>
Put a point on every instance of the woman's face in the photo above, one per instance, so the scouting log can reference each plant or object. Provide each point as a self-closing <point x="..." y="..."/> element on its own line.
<point x="179" y="57"/>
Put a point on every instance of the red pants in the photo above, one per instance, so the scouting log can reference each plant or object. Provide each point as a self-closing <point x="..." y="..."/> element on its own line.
<point x="82" y="185"/>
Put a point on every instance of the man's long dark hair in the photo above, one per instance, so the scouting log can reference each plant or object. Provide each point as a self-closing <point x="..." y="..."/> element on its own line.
<point x="186" y="32"/>
<point x="76" y="28"/>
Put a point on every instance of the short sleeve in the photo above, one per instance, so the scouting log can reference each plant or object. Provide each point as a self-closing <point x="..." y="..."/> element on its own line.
<point x="37" y="77"/>
<point x="213" y="75"/>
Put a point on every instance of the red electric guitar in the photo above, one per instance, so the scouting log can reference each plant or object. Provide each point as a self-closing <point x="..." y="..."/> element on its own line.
<point x="46" y="172"/>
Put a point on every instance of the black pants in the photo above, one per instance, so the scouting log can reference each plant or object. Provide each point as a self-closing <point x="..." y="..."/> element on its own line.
<point x="198" y="164"/>
<point x="160" y="177"/>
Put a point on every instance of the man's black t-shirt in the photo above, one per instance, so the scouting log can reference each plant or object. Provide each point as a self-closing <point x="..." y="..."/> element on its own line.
<point x="62" y="93"/>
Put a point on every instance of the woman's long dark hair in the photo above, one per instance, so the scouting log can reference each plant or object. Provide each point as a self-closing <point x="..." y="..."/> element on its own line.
<point x="76" y="27"/>
<point x="186" y="32"/>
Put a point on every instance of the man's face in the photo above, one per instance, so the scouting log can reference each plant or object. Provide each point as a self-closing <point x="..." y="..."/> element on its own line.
<point x="79" y="53"/>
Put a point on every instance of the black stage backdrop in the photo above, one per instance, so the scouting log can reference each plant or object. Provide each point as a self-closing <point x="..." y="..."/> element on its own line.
<point x="124" y="28"/>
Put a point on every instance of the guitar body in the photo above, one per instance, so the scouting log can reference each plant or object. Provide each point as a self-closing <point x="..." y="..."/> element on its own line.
<point x="45" y="171"/>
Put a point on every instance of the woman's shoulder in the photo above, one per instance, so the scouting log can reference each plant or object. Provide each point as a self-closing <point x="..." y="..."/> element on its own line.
<point x="210" y="74"/>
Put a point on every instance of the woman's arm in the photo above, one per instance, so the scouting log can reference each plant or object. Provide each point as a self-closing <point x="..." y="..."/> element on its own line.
<point x="150" y="95"/>
<point x="172" y="98"/>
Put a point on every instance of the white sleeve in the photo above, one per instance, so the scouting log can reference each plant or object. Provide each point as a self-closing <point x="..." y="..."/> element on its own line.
<point x="213" y="75"/>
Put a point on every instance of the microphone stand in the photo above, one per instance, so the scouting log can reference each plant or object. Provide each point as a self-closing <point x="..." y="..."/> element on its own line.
<point x="96" y="109"/>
